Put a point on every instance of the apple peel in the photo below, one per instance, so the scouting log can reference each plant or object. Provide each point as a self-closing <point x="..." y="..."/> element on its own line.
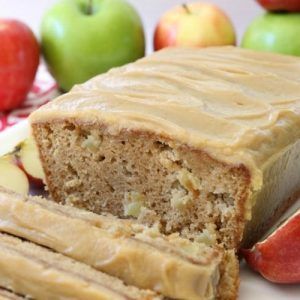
<point x="28" y="160"/>
<point x="277" y="258"/>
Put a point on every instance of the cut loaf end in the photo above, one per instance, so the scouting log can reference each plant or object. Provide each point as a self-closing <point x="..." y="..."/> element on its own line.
<point x="141" y="175"/>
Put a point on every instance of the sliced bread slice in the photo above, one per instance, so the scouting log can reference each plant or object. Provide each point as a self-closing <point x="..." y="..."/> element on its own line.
<point x="41" y="274"/>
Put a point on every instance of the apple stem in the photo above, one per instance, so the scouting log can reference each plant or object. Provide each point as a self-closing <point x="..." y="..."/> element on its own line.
<point x="185" y="7"/>
<point x="90" y="7"/>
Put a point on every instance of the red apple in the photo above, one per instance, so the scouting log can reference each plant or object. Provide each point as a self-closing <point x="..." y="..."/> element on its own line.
<point x="29" y="161"/>
<point x="277" y="258"/>
<point x="19" y="59"/>
<point x="11" y="176"/>
<point x="194" y="25"/>
<point x="280" y="5"/>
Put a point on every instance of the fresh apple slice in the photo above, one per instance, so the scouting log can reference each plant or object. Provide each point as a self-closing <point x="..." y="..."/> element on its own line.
<point x="30" y="162"/>
<point x="277" y="258"/>
<point x="11" y="176"/>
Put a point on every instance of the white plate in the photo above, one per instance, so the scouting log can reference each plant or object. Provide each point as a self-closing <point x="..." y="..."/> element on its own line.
<point x="253" y="286"/>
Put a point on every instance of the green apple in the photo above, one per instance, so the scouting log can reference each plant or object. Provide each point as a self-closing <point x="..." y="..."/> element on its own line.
<point x="274" y="32"/>
<point x="83" y="38"/>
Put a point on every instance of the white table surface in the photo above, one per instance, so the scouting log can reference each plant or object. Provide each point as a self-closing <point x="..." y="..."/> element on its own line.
<point x="253" y="287"/>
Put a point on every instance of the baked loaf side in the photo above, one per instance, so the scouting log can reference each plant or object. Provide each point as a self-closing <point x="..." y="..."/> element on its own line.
<point x="139" y="255"/>
<point x="186" y="137"/>
<point x="38" y="273"/>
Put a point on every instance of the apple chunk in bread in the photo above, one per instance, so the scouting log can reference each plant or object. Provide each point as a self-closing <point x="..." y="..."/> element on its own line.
<point x="28" y="160"/>
<point x="277" y="258"/>
<point x="11" y="176"/>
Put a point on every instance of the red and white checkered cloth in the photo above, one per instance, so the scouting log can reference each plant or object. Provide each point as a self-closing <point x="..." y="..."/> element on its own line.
<point x="43" y="90"/>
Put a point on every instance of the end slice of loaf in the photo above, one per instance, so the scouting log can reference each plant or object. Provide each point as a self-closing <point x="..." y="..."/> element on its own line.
<point x="140" y="256"/>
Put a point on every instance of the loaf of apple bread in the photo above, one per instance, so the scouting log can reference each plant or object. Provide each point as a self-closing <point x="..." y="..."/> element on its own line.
<point x="203" y="141"/>
<point x="140" y="256"/>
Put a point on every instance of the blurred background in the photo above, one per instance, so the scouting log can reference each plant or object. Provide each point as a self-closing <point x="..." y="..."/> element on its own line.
<point x="31" y="12"/>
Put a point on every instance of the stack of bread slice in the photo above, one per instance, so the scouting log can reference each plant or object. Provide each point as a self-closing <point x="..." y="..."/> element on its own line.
<point x="103" y="257"/>
<point x="38" y="273"/>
